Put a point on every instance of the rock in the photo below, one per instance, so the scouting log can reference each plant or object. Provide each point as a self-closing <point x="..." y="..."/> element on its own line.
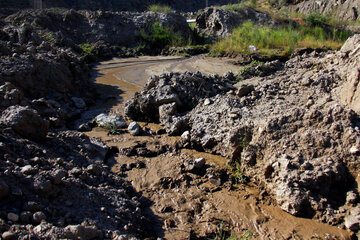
<point x="217" y="22"/>
<point x="177" y="125"/>
<point x="354" y="150"/>
<point x="94" y="169"/>
<point x="107" y="121"/>
<point x="42" y="185"/>
<point x="352" y="221"/>
<point x="85" y="127"/>
<point x="166" y="111"/>
<point x="181" y="90"/>
<point x="199" y="163"/>
<point x="10" y="95"/>
<point x="8" y="235"/>
<point x="207" y="102"/>
<point x="352" y="44"/>
<point x="119" y="236"/>
<point x="76" y="230"/>
<point x="13" y="217"/>
<point x="244" y="90"/>
<point x="33" y="206"/>
<point x="26" y="217"/>
<point x="84" y="232"/>
<point x="151" y="82"/>
<point x="351" y="197"/>
<point x="28" y="170"/>
<point x="58" y="175"/>
<point x="134" y="128"/>
<point x="4" y="189"/>
<point x="186" y="135"/>
<point x="38" y="217"/>
<point x="79" y="102"/>
<point x="25" y="121"/>
<point x="345" y="10"/>
<point x="194" y="165"/>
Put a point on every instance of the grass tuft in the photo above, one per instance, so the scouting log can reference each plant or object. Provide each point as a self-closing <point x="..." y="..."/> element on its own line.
<point x="279" y="41"/>
<point x="87" y="49"/>
<point x="160" y="8"/>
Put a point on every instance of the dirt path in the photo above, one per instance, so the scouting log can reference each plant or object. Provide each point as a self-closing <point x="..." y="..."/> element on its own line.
<point x="187" y="204"/>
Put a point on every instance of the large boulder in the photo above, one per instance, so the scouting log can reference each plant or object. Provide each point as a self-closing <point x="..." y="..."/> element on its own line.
<point x="25" y="121"/>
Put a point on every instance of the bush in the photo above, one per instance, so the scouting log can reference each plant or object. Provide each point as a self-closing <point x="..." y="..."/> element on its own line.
<point x="87" y="49"/>
<point x="160" y="37"/>
<point x="316" y="19"/>
<point x="160" y="8"/>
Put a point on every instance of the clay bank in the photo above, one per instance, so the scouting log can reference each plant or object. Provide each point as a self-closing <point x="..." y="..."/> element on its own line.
<point x="171" y="147"/>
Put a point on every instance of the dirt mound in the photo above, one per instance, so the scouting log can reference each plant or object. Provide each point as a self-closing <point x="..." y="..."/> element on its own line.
<point x="70" y="187"/>
<point x="286" y="130"/>
<point x="57" y="183"/>
<point x="107" y="31"/>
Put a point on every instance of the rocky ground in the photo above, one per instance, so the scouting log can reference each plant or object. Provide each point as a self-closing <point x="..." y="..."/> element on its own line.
<point x="290" y="128"/>
<point x="294" y="131"/>
<point x="8" y="7"/>
<point x="55" y="183"/>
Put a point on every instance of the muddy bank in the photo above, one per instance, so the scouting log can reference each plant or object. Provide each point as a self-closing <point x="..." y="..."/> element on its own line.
<point x="193" y="204"/>
<point x="289" y="131"/>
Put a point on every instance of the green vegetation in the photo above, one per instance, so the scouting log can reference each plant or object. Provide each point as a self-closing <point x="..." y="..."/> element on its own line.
<point x="238" y="174"/>
<point x="192" y="25"/>
<point x="49" y="37"/>
<point x="160" y="8"/>
<point x="160" y="37"/>
<point x="316" y="19"/>
<point x="224" y="234"/>
<point x="279" y="41"/>
<point x="87" y="49"/>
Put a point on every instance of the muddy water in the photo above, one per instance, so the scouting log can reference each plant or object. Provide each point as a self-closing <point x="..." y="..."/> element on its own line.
<point x="188" y="204"/>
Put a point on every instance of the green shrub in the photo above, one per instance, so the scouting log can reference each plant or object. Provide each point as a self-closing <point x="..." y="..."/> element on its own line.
<point x="316" y="19"/>
<point x="160" y="37"/>
<point x="160" y="8"/>
<point x="87" y="49"/>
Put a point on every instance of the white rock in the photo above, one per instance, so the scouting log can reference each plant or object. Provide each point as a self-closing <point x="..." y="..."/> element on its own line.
<point x="354" y="150"/>
<point x="186" y="135"/>
<point x="104" y="120"/>
<point x="28" y="170"/>
<point x="134" y="128"/>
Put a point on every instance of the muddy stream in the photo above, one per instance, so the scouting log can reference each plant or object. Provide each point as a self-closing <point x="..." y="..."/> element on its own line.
<point x="186" y="204"/>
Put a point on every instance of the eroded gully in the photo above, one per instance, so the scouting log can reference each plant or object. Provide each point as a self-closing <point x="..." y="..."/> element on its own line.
<point x="187" y="204"/>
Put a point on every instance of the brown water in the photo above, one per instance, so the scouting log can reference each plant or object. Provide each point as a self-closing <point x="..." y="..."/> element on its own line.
<point x="186" y="203"/>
